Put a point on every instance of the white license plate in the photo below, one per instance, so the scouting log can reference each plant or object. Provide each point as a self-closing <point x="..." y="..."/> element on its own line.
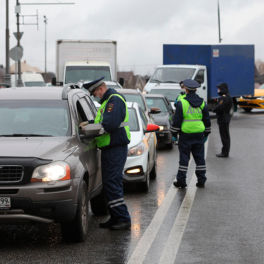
<point x="5" y="202"/>
<point x="161" y="135"/>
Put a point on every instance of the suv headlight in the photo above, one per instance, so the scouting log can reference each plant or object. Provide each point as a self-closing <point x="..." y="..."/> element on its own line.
<point x="137" y="150"/>
<point x="55" y="171"/>
<point x="164" y="128"/>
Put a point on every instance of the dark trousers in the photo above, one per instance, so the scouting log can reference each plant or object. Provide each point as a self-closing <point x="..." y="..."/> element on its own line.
<point x="113" y="162"/>
<point x="225" y="137"/>
<point x="194" y="145"/>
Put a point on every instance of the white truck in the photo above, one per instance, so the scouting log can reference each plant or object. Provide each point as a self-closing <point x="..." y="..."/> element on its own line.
<point x="85" y="60"/>
<point x="29" y="79"/>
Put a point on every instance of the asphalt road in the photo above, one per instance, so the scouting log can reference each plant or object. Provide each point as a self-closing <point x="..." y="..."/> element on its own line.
<point x="221" y="223"/>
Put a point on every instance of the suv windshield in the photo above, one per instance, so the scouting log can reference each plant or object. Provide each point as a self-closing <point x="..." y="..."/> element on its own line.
<point x="33" y="118"/>
<point x="171" y="94"/>
<point x="135" y="98"/>
<point x="156" y="102"/>
<point x="86" y="73"/>
<point x="171" y="75"/>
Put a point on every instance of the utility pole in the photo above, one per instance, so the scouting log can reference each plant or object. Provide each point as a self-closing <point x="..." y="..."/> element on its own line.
<point x="7" y="77"/>
<point x="45" y="21"/>
<point x="219" y="29"/>
<point x="18" y="10"/>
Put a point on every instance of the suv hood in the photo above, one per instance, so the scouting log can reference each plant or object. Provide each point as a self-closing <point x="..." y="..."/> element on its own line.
<point x="58" y="148"/>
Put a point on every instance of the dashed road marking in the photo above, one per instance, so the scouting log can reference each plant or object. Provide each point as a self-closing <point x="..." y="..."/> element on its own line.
<point x="172" y="245"/>
<point x="148" y="237"/>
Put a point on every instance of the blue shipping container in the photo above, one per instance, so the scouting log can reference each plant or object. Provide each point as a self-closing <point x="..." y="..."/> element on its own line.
<point x="232" y="64"/>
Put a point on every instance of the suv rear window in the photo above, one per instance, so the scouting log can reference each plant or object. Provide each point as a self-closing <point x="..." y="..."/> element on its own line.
<point x="38" y="117"/>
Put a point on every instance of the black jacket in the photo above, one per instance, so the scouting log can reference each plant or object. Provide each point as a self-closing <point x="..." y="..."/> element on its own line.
<point x="195" y="101"/>
<point x="224" y="105"/>
<point x="114" y="115"/>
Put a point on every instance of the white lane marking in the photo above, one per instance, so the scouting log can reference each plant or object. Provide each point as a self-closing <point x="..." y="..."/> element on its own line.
<point x="146" y="240"/>
<point x="172" y="245"/>
<point x="148" y="237"/>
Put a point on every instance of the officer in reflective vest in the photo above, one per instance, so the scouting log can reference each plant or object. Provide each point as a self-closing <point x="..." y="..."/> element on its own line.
<point x="192" y="122"/>
<point x="180" y="96"/>
<point x="113" y="115"/>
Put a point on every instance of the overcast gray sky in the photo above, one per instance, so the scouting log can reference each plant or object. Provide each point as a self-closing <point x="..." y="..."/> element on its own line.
<point x="140" y="27"/>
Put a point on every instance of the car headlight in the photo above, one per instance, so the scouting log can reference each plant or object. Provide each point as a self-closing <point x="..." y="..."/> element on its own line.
<point x="164" y="128"/>
<point x="55" y="171"/>
<point x="137" y="150"/>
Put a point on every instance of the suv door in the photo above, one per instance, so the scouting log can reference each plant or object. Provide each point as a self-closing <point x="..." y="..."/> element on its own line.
<point x="88" y="152"/>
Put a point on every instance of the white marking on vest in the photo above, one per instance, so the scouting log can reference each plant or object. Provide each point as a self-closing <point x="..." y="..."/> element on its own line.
<point x="192" y="110"/>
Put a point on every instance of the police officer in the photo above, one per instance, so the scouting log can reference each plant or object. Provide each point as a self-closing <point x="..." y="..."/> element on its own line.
<point x="222" y="110"/>
<point x="192" y="122"/>
<point x="179" y="97"/>
<point x="113" y="115"/>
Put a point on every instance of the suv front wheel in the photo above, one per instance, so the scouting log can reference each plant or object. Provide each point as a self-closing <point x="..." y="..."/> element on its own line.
<point x="77" y="229"/>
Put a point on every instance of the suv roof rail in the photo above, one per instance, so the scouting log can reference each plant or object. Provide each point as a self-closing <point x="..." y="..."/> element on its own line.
<point x="66" y="88"/>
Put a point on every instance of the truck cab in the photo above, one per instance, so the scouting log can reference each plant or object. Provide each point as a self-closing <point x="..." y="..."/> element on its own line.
<point x="172" y="75"/>
<point x="75" y="71"/>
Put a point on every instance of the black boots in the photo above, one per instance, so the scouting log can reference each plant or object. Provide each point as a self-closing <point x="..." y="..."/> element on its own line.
<point x="179" y="185"/>
<point x="221" y="155"/>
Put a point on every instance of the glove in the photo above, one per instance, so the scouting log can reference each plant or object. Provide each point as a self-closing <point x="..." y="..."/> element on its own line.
<point x="83" y="125"/>
<point x="205" y="139"/>
<point x="175" y="140"/>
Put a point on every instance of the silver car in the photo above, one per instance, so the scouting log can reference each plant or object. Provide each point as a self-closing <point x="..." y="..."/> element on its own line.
<point x="49" y="170"/>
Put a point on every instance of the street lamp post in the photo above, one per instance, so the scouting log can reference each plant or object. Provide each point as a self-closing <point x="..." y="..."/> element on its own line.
<point x="7" y="77"/>
<point x="219" y="29"/>
<point x="17" y="10"/>
<point x="45" y="21"/>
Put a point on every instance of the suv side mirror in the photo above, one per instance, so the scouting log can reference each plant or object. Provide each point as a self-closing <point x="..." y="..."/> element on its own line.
<point x="152" y="128"/>
<point x="53" y="81"/>
<point x="121" y="81"/>
<point x="92" y="130"/>
<point x="154" y="110"/>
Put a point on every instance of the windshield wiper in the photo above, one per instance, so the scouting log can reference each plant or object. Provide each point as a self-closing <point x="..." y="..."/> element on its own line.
<point x="26" y="135"/>
<point x="169" y="82"/>
<point x="153" y="80"/>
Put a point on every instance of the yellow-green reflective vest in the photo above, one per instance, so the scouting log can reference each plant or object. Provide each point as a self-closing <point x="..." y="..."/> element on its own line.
<point x="180" y="97"/>
<point x="105" y="139"/>
<point x="192" y="118"/>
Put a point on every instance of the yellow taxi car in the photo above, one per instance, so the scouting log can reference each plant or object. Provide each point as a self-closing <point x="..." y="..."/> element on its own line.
<point x="256" y="101"/>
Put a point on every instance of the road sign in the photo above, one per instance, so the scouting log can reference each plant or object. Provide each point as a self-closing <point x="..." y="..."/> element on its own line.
<point x="16" y="53"/>
<point x="18" y="36"/>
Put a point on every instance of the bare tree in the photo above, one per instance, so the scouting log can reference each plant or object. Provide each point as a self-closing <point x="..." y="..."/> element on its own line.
<point x="260" y="66"/>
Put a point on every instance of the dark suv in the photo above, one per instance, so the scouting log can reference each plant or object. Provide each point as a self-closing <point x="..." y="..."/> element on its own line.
<point x="48" y="169"/>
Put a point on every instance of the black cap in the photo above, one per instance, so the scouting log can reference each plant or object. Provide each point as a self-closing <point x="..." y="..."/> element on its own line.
<point x="91" y="86"/>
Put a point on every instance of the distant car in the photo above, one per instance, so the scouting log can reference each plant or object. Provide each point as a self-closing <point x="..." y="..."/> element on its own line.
<point x="48" y="169"/>
<point x="141" y="164"/>
<point x="257" y="101"/>
<point x="163" y="119"/>
<point x="114" y="85"/>
<point x="134" y="95"/>
<point x="49" y="84"/>
<point x="170" y="92"/>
